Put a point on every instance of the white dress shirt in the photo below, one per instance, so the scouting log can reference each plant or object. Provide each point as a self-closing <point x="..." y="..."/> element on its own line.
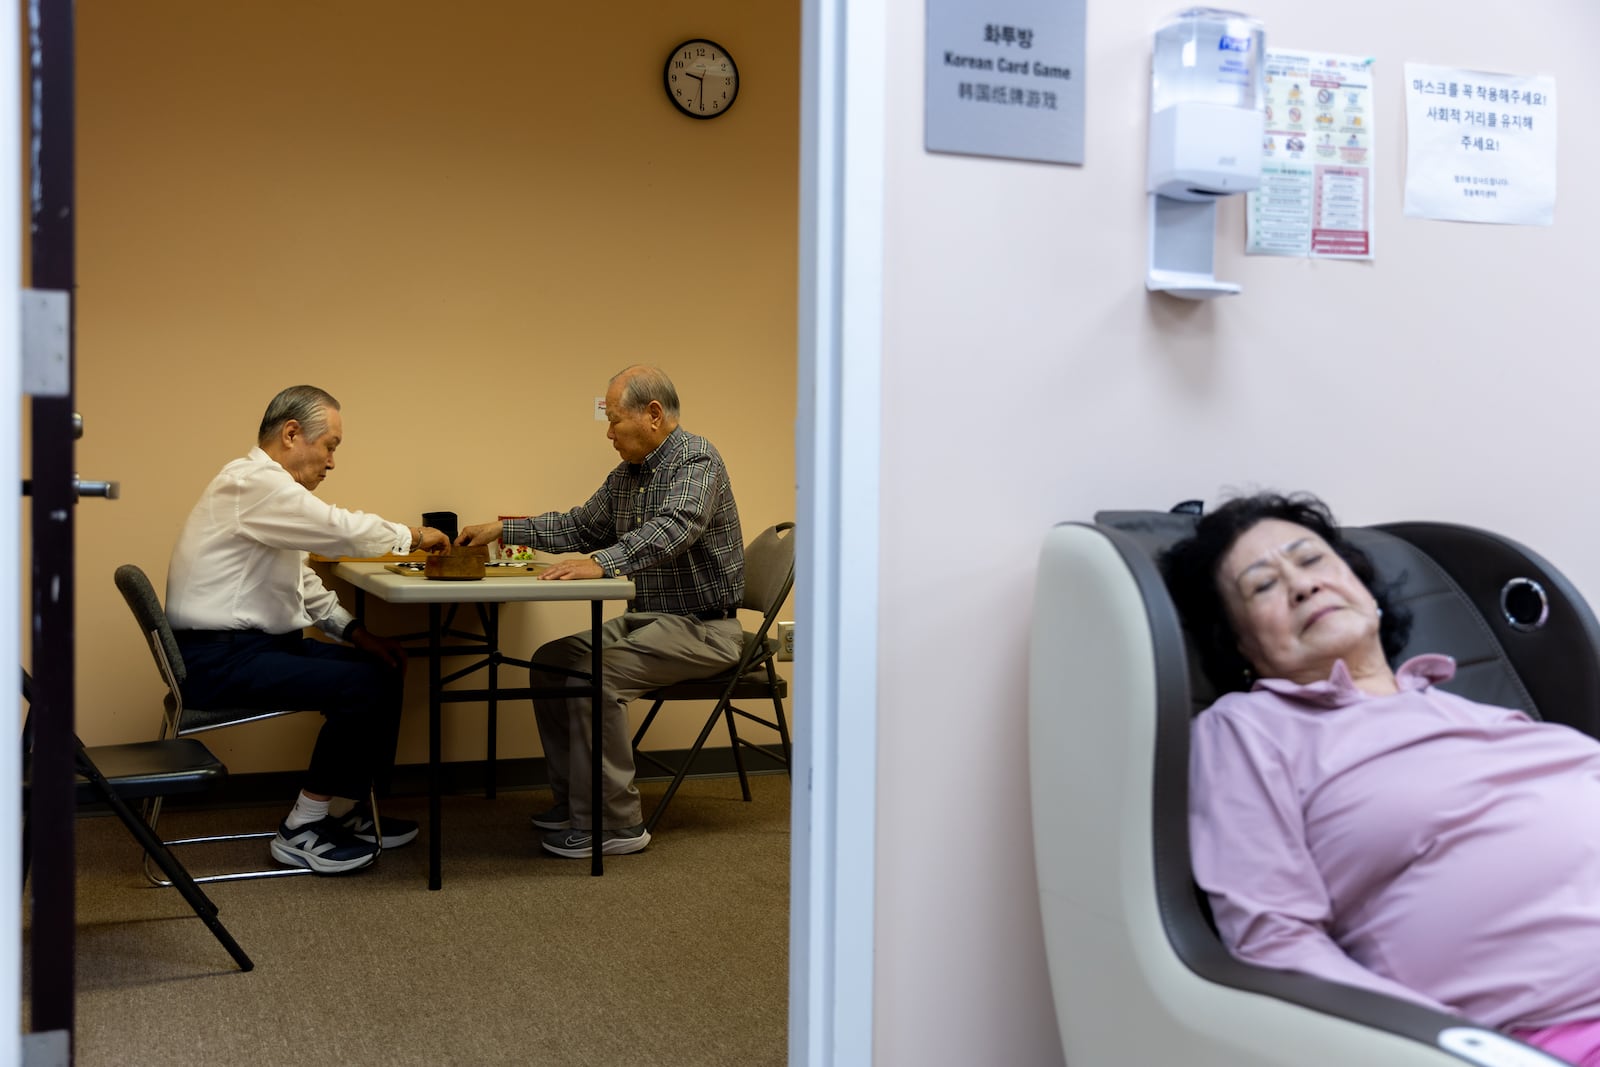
<point x="240" y="562"/>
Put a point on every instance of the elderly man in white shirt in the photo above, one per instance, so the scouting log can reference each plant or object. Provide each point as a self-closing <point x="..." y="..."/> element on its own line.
<point x="239" y="596"/>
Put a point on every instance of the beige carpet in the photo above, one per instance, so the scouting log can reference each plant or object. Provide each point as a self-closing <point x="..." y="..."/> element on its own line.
<point x="678" y="955"/>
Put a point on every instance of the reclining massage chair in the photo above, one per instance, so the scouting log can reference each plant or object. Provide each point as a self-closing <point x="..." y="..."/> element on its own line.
<point x="1138" y="975"/>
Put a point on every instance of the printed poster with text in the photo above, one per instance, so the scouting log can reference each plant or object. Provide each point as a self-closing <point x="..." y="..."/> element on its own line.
<point x="1316" y="170"/>
<point x="1480" y="147"/>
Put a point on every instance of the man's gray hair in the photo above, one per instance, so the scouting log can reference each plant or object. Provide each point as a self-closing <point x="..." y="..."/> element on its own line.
<point x="644" y="384"/>
<point x="305" y="404"/>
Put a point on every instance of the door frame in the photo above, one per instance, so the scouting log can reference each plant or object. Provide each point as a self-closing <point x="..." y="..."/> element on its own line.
<point x="11" y="519"/>
<point x="842" y="89"/>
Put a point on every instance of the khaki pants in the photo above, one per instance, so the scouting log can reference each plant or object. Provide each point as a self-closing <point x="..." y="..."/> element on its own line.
<point x="639" y="651"/>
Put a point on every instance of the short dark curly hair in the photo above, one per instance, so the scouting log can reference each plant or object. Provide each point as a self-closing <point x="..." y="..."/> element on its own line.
<point x="1190" y="568"/>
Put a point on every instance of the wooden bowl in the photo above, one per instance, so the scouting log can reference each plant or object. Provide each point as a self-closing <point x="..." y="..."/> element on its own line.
<point x="460" y="564"/>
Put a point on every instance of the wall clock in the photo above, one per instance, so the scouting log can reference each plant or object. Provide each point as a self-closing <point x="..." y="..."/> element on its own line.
<point x="701" y="79"/>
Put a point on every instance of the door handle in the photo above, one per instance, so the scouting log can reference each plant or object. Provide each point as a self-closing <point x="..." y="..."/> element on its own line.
<point x="108" y="490"/>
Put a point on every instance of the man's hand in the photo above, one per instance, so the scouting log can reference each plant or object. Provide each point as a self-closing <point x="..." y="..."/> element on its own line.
<point x="432" y="541"/>
<point x="385" y="648"/>
<point x="570" y="569"/>
<point x="481" y="534"/>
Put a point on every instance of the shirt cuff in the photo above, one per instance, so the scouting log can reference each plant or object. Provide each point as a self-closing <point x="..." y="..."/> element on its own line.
<point x="336" y="624"/>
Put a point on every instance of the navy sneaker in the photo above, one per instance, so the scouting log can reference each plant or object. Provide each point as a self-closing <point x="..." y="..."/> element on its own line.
<point x="323" y="846"/>
<point x="577" y="844"/>
<point x="357" y="822"/>
<point x="558" y="817"/>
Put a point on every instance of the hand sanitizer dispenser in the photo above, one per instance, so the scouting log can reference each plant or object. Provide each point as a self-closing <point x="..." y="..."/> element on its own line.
<point x="1206" y="124"/>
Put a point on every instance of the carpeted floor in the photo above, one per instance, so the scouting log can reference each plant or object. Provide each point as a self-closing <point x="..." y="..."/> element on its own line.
<point x="678" y="955"/>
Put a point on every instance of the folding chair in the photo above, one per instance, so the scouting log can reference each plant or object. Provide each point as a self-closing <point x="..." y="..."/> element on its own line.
<point x="181" y="720"/>
<point x="117" y="774"/>
<point x="768" y="577"/>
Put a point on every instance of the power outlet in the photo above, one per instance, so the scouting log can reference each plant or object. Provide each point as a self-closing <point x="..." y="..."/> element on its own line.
<point x="786" y="640"/>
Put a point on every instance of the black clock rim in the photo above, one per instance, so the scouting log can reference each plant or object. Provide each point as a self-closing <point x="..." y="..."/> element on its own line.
<point x="666" y="72"/>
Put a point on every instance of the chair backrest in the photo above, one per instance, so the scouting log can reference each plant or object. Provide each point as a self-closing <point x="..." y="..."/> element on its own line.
<point x="769" y="571"/>
<point x="152" y="619"/>
<point x="1138" y="975"/>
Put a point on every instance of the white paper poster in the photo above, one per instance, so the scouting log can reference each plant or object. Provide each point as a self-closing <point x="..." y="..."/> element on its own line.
<point x="1317" y="159"/>
<point x="1480" y="147"/>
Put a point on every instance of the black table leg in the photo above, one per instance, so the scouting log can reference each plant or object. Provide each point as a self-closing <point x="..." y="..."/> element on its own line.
<point x="597" y="819"/>
<point x="491" y="630"/>
<point x="435" y="850"/>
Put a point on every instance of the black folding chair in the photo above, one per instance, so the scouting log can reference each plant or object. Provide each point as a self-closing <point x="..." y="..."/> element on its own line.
<point x="116" y="774"/>
<point x="183" y="720"/>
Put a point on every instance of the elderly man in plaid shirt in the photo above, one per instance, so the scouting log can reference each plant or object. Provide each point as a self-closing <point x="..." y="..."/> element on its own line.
<point x="665" y="517"/>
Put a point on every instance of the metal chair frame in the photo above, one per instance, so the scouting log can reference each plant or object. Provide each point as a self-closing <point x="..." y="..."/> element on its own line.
<point x="142" y="770"/>
<point x="754" y="677"/>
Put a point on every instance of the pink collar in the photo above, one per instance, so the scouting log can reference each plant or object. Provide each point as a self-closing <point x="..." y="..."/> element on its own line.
<point x="1338" y="690"/>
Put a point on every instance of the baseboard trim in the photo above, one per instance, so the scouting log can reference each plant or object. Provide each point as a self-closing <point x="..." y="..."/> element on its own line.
<point x="460" y="778"/>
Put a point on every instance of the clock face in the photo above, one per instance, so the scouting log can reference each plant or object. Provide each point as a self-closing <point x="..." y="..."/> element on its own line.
<point x="701" y="80"/>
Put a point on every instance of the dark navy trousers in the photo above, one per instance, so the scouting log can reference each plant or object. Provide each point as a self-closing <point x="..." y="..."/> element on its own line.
<point x="359" y="695"/>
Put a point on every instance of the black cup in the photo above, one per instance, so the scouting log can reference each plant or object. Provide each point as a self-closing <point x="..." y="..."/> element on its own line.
<point x="443" y="521"/>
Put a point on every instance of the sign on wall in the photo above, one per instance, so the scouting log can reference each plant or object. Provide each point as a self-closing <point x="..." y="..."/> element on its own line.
<point x="1317" y="159"/>
<point x="1480" y="147"/>
<point x="1006" y="79"/>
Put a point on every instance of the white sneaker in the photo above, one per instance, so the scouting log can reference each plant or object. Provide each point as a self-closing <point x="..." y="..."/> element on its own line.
<point x="323" y="846"/>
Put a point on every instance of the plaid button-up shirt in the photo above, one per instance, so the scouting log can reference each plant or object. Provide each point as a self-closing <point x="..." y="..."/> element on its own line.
<point x="669" y="523"/>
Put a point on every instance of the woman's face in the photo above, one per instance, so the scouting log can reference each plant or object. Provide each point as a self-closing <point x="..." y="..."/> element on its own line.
<point x="1295" y="603"/>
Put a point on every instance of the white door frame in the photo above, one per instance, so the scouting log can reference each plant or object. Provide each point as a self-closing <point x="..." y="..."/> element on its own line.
<point x="843" y="47"/>
<point x="11" y="519"/>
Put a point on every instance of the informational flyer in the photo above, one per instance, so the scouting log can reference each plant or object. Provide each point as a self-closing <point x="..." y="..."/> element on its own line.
<point x="1316" y="161"/>
<point x="1480" y="147"/>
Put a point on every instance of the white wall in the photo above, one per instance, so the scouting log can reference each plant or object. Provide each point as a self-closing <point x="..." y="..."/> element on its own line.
<point x="1029" y="378"/>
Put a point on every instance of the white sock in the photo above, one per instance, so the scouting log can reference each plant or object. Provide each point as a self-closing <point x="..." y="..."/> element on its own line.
<point x="306" y="811"/>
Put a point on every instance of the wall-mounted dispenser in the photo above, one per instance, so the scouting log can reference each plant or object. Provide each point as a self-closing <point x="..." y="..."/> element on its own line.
<point x="1207" y="119"/>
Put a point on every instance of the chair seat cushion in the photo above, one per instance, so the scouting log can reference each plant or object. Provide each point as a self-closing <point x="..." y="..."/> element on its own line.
<point x="153" y="768"/>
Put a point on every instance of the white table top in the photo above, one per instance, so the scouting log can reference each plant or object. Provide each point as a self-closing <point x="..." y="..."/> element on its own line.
<point x="415" y="589"/>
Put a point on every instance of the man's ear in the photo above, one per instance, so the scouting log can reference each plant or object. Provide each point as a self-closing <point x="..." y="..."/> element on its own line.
<point x="291" y="430"/>
<point x="657" y="412"/>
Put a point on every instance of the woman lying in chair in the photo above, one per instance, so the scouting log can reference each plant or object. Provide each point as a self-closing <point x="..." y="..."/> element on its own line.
<point x="1354" y="822"/>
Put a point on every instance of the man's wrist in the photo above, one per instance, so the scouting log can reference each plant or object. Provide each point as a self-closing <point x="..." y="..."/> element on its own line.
<point x="350" y="630"/>
<point x="605" y="572"/>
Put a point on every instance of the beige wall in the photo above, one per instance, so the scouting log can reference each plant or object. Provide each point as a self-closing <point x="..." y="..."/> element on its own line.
<point x="1030" y="379"/>
<point x="460" y="224"/>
